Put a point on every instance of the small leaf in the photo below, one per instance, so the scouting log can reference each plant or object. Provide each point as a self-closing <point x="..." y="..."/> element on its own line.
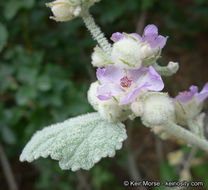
<point x="44" y="83"/>
<point x="13" y="6"/>
<point x="8" y="135"/>
<point x="25" y="94"/>
<point x="3" y="36"/>
<point x="76" y="143"/>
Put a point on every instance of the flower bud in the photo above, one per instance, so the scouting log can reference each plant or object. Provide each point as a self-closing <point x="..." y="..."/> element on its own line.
<point x="126" y="54"/>
<point x="92" y="95"/>
<point x="173" y="66"/>
<point x="99" y="58"/>
<point x="158" y="108"/>
<point x="146" y="50"/>
<point x="65" y="10"/>
<point x="62" y="10"/>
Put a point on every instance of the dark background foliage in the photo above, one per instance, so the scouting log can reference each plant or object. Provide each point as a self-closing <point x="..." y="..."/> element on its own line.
<point x="45" y="73"/>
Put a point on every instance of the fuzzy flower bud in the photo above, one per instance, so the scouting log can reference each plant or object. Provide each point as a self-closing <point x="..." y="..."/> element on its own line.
<point x="146" y="50"/>
<point x="158" y="108"/>
<point x="99" y="58"/>
<point x="65" y="10"/>
<point x="126" y="54"/>
<point x="92" y="95"/>
<point x="173" y="66"/>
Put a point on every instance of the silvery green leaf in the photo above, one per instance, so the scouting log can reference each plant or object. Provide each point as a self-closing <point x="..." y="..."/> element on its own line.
<point x="76" y="143"/>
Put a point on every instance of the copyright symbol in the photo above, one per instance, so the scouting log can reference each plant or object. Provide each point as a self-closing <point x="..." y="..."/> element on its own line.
<point x="126" y="183"/>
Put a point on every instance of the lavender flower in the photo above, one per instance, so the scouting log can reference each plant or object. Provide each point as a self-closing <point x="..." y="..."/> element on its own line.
<point x="130" y="51"/>
<point x="187" y="96"/>
<point x="189" y="104"/>
<point x="124" y="86"/>
<point x="150" y="36"/>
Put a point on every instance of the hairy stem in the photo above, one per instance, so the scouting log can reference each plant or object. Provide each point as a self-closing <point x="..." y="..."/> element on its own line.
<point x="186" y="135"/>
<point x="192" y="127"/>
<point x="96" y="33"/>
<point x="196" y="128"/>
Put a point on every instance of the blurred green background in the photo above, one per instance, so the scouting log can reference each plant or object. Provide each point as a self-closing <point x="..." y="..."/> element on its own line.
<point x="45" y="73"/>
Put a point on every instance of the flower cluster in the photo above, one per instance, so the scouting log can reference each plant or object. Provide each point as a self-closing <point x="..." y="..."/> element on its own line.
<point x="127" y="75"/>
<point x="129" y="84"/>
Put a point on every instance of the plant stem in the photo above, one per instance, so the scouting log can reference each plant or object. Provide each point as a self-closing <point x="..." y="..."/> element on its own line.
<point x="192" y="127"/>
<point x="196" y="128"/>
<point x="96" y="32"/>
<point x="7" y="170"/>
<point x="187" y="163"/>
<point x="186" y="167"/>
<point x="184" y="134"/>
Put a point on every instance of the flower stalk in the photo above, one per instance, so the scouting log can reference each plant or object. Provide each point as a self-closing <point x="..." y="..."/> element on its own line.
<point x="186" y="135"/>
<point x="96" y="32"/>
<point x="192" y="127"/>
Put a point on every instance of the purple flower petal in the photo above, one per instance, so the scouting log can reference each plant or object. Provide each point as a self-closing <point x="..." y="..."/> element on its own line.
<point x="117" y="36"/>
<point x="160" y="42"/>
<point x="151" y="36"/>
<point x="114" y="81"/>
<point x="136" y="75"/>
<point x="150" y="29"/>
<point x="185" y="97"/>
<point x="106" y="91"/>
<point x="147" y="76"/>
<point x="132" y="95"/>
<point x="110" y="74"/>
<point x="155" y="41"/>
<point x="104" y="97"/>
<point x="100" y="73"/>
<point x="203" y="94"/>
<point x="155" y="80"/>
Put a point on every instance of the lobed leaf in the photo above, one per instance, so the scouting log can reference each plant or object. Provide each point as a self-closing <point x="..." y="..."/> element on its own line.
<point x="76" y="143"/>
